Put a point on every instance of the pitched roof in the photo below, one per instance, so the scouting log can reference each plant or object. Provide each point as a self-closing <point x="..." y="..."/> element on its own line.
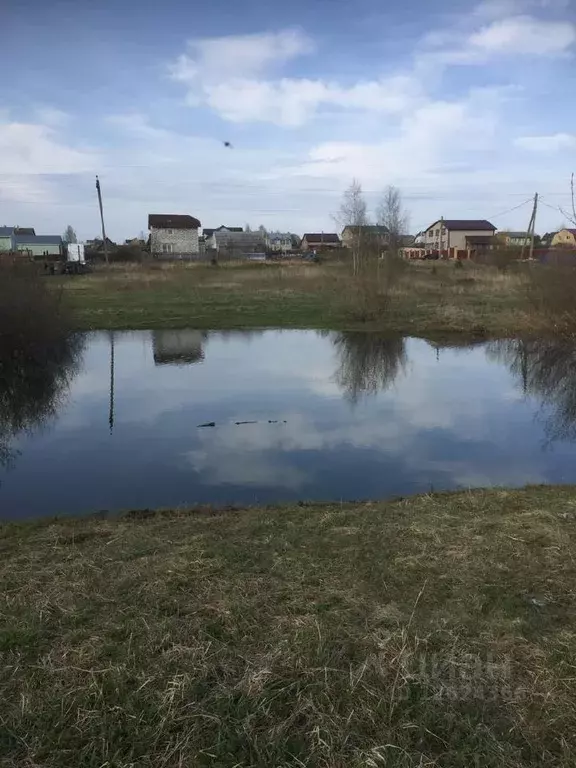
<point x="239" y="239"/>
<point x="321" y="237"/>
<point x="372" y="229"/>
<point x="460" y="225"/>
<point x="172" y="221"/>
<point x="6" y="231"/>
<point x="38" y="239"/>
<point x="24" y="231"/>
<point x="208" y="232"/>
<point x="567" y="229"/>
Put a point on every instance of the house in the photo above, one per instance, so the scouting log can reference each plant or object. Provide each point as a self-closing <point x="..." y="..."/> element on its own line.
<point x="312" y="241"/>
<point x="173" y="236"/>
<point x="233" y="244"/>
<point x="546" y="240"/>
<point x="38" y="245"/>
<point x="515" y="239"/>
<point x="374" y="233"/>
<point x="24" y="231"/>
<point x="6" y="238"/>
<point x="208" y="232"/>
<point x="453" y="238"/>
<point x="565" y="238"/>
<point x="279" y="242"/>
<point x="420" y="238"/>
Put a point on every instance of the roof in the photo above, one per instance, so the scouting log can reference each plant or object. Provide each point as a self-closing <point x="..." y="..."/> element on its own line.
<point x="38" y="240"/>
<point x="239" y="239"/>
<point x="321" y="237"/>
<point x="172" y="221"/>
<point x="372" y="229"/>
<point x="210" y="231"/>
<point x="6" y="231"/>
<point x="461" y="225"/>
<point x="24" y="231"/>
<point x="516" y="234"/>
<point x="568" y="229"/>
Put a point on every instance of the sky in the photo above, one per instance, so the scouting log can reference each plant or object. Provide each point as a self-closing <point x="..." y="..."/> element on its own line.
<point x="467" y="107"/>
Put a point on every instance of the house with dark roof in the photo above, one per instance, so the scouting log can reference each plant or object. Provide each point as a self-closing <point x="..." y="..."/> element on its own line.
<point x="565" y="238"/>
<point x="38" y="245"/>
<point x="173" y="236"/>
<point x="364" y="233"/>
<point x="232" y="244"/>
<point x="313" y="241"/>
<point x="456" y="237"/>
<point x="207" y="232"/>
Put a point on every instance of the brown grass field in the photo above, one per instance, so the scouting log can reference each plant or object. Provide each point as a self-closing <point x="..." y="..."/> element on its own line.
<point x="438" y="630"/>
<point x="426" y="298"/>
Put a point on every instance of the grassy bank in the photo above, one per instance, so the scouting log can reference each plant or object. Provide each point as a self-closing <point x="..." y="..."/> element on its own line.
<point x="429" y="298"/>
<point x="434" y="631"/>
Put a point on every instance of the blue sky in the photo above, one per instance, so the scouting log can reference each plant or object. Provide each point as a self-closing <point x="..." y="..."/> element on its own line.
<point x="467" y="107"/>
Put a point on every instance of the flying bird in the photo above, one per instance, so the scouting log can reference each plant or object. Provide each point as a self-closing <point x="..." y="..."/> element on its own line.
<point x="228" y="144"/>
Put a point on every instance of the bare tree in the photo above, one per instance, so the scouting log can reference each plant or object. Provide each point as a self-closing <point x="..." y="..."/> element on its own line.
<point x="571" y="216"/>
<point x="69" y="235"/>
<point x="391" y="213"/>
<point x="353" y="213"/>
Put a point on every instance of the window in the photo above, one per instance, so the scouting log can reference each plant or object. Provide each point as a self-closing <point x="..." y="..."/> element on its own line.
<point x="167" y="248"/>
<point x="437" y="232"/>
<point x="168" y="231"/>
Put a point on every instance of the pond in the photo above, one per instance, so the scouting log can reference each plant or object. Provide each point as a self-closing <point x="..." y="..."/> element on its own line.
<point x="169" y="418"/>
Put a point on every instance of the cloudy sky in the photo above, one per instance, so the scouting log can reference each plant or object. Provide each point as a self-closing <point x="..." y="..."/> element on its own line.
<point x="467" y="106"/>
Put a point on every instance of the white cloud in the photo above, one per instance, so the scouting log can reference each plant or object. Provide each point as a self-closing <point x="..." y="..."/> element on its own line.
<point x="524" y="35"/>
<point x="240" y="56"/>
<point x="232" y="76"/>
<point x="554" y="143"/>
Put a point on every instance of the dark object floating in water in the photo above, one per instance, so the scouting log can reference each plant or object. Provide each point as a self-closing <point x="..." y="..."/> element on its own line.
<point x="208" y="424"/>
<point x="245" y="422"/>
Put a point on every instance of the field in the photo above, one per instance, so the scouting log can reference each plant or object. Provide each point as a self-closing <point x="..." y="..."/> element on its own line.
<point x="433" y="631"/>
<point x="427" y="298"/>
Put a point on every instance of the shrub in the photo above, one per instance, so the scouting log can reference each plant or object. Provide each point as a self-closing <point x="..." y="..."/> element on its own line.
<point x="551" y="292"/>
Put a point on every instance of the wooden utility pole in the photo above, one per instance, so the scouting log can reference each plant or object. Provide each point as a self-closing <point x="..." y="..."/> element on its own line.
<point x="531" y="227"/>
<point x="104" y="240"/>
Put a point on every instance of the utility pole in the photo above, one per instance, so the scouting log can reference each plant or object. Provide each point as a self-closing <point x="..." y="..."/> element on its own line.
<point x="531" y="227"/>
<point x="104" y="241"/>
<point x="111" y="407"/>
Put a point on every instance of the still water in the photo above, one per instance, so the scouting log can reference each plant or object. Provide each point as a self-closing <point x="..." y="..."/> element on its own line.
<point x="115" y="422"/>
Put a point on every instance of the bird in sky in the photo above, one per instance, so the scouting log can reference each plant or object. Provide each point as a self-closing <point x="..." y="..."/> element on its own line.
<point x="227" y="144"/>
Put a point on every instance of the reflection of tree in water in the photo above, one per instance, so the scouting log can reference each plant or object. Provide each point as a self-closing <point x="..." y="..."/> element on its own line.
<point x="368" y="362"/>
<point x="547" y="369"/>
<point x="32" y="387"/>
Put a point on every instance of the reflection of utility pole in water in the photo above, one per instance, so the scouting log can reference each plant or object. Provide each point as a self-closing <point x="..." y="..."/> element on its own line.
<point x="111" y="409"/>
<point x="524" y="367"/>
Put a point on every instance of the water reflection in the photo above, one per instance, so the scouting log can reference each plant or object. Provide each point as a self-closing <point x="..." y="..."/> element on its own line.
<point x="367" y="362"/>
<point x="178" y="347"/>
<point x="32" y="388"/>
<point x="546" y="369"/>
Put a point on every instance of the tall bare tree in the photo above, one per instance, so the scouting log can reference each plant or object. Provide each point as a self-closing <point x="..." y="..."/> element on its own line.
<point x="571" y="215"/>
<point x="391" y="213"/>
<point x="353" y="213"/>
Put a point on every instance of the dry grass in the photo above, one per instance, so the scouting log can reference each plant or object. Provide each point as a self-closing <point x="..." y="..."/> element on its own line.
<point x="423" y="298"/>
<point x="435" y="631"/>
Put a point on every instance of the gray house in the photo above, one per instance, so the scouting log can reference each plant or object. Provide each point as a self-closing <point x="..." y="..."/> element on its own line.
<point x="173" y="236"/>
<point x="38" y="245"/>
<point x="6" y="238"/>
<point x="236" y="244"/>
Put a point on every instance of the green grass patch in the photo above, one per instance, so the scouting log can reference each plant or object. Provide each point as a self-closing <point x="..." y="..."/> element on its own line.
<point x="438" y="630"/>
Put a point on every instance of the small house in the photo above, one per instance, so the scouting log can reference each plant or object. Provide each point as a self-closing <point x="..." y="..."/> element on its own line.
<point x="515" y="239"/>
<point x="565" y="238"/>
<point x="6" y="238"/>
<point x="173" y="236"/>
<point x="365" y="233"/>
<point x="38" y="246"/>
<point x="313" y="241"/>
